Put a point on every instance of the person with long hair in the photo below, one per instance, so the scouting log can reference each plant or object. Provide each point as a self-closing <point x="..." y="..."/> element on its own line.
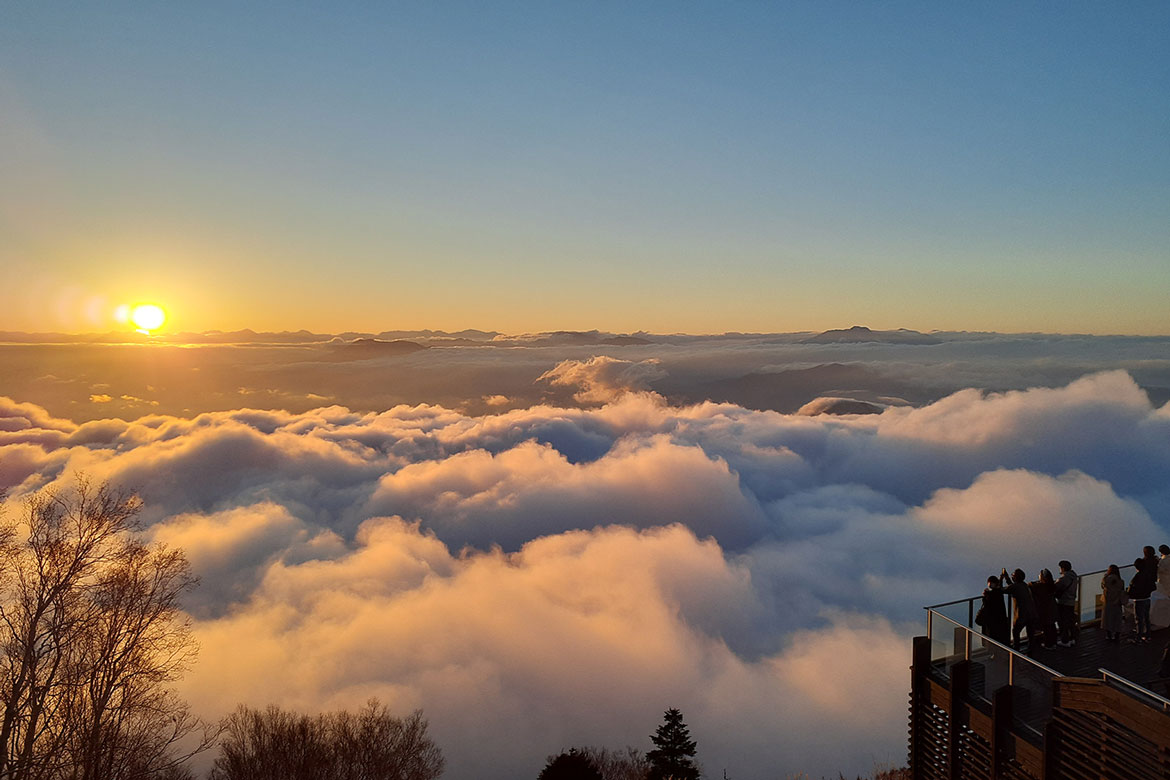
<point x="1044" y="597"/>
<point x="1113" y="592"/>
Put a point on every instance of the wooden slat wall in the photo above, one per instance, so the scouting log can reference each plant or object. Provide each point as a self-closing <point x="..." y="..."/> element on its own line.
<point x="1101" y="732"/>
<point x="952" y="738"/>
<point x="1096" y="732"/>
<point x="974" y="756"/>
<point x="932" y="758"/>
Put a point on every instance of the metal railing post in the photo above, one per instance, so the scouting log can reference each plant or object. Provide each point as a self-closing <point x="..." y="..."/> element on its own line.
<point x="1079" y="604"/>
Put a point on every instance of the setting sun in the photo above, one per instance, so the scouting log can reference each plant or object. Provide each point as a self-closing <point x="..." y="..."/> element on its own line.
<point x="148" y="317"/>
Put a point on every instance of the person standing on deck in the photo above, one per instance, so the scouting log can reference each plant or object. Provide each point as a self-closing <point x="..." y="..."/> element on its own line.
<point x="1160" y="598"/>
<point x="1044" y="598"/>
<point x="1066" y="605"/>
<point x="992" y="615"/>
<point x="1113" y="590"/>
<point x="1140" y="588"/>
<point x="1025" y="609"/>
<point x="1149" y="563"/>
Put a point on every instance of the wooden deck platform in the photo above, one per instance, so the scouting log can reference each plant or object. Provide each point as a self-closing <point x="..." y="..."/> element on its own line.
<point x="979" y="711"/>
<point x="1137" y="663"/>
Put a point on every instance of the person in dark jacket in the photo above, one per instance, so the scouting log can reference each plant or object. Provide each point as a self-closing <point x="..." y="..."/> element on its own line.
<point x="1149" y="561"/>
<point x="992" y="616"/>
<point x="1044" y="597"/>
<point x="1140" y="588"/>
<point x="1067" y="619"/>
<point x="1025" y="609"/>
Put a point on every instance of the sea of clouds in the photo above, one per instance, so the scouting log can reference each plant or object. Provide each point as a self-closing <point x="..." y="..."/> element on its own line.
<point x="559" y="575"/>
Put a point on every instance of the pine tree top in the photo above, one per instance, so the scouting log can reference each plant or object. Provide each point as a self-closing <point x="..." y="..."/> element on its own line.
<point x="673" y="749"/>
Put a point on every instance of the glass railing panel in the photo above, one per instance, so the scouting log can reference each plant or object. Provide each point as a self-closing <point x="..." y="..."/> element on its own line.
<point x="942" y="643"/>
<point x="1032" y="700"/>
<point x="994" y="666"/>
<point x="961" y="612"/>
<point x="948" y="643"/>
<point x="1090" y="607"/>
<point x="990" y="666"/>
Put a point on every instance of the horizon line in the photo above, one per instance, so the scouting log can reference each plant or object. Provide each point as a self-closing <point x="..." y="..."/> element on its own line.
<point x="136" y="337"/>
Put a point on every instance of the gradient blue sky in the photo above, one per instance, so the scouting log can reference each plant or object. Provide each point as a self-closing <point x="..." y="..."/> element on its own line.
<point x="530" y="166"/>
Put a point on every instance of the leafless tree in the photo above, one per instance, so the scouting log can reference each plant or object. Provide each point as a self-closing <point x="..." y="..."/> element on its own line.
<point x="628" y="764"/>
<point x="273" y="744"/>
<point x="91" y="637"/>
<point x="270" y="744"/>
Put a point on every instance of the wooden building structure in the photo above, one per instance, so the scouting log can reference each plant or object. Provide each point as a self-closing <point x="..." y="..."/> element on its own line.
<point x="982" y="711"/>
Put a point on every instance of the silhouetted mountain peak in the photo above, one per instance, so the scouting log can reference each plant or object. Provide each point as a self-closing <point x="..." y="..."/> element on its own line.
<point x="367" y="348"/>
<point x="859" y="334"/>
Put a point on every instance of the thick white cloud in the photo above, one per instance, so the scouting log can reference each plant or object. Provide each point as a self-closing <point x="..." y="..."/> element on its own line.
<point x="1035" y="515"/>
<point x="579" y="637"/>
<point x="550" y="576"/>
<point x="602" y="378"/>
<point x="26" y="417"/>
<point x="478" y="498"/>
<point x="233" y="549"/>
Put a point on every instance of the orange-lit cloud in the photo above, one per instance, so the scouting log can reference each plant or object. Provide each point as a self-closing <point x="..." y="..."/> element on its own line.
<point x="602" y="378"/>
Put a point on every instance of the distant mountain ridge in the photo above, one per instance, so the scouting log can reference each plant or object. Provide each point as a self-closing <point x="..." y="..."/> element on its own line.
<point x="364" y="349"/>
<point x="859" y="334"/>
<point x="568" y="338"/>
<point x="573" y="338"/>
<point x="467" y="337"/>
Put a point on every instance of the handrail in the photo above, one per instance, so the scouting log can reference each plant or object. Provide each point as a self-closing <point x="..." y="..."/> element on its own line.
<point x="1107" y="675"/>
<point x="1080" y="578"/>
<point x="986" y="639"/>
<point x="1013" y="655"/>
<point x="952" y="603"/>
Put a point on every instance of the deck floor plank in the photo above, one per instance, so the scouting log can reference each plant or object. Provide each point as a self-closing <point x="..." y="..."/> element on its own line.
<point x="1137" y="663"/>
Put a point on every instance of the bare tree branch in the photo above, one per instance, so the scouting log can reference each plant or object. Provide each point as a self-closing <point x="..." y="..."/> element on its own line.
<point x="91" y="636"/>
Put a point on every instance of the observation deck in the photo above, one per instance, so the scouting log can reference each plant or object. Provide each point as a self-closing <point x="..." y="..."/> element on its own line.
<point x="979" y="709"/>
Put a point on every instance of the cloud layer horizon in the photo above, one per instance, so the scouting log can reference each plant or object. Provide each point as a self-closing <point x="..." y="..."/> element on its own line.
<point x="552" y="576"/>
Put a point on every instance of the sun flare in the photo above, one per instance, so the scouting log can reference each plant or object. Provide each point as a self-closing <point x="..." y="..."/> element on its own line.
<point x="147" y="317"/>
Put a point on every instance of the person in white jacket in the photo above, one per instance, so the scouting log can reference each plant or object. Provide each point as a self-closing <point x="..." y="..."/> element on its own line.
<point x="1160" y="598"/>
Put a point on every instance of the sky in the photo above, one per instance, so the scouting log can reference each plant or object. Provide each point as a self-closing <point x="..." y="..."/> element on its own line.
<point x="699" y="168"/>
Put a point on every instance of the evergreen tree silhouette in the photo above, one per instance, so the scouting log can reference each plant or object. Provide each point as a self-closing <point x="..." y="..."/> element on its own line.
<point x="673" y="755"/>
